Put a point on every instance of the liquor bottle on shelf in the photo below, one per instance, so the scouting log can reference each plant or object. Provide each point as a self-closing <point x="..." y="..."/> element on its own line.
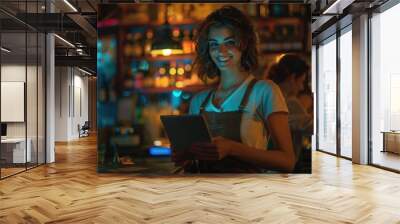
<point x="148" y="82"/>
<point x="164" y="81"/>
<point x="264" y="10"/>
<point x="172" y="74"/>
<point x="186" y="10"/>
<point x="188" y="68"/>
<point x="128" y="44"/>
<point x="180" y="81"/>
<point x="194" y="36"/>
<point x="296" y="9"/>
<point x="279" y="10"/>
<point x="179" y="13"/>
<point x="139" y="80"/>
<point x="176" y="34"/>
<point x="144" y="65"/>
<point x="137" y="46"/>
<point x="170" y="14"/>
<point x="148" y="41"/>
<point x="149" y="78"/>
<point x="157" y="81"/>
<point x="252" y="9"/>
<point x="179" y="76"/>
<point x="187" y="42"/>
<point x="132" y="69"/>
<point x="162" y="71"/>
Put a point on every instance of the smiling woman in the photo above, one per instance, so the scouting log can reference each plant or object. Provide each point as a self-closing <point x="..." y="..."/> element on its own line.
<point x="242" y="113"/>
<point x="238" y="35"/>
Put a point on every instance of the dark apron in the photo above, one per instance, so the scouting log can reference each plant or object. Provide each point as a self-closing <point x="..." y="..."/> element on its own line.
<point x="227" y="125"/>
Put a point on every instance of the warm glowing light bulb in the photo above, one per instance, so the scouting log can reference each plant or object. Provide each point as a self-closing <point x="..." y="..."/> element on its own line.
<point x="179" y="84"/>
<point x="181" y="71"/>
<point x="172" y="71"/>
<point x="175" y="32"/>
<point x="166" y="52"/>
<point x="157" y="143"/>
<point x="162" y="71"/>
<point x="188" y="67"/>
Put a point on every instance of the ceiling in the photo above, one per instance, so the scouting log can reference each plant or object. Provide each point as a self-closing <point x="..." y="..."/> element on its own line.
<point x="18" y="17"/>
<point x="79" y="27"/>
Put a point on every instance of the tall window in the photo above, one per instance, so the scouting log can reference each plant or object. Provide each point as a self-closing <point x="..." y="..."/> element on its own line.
<point x="346" y="93"/>
<point x="385" y="84"/>
<point x="327" y="96"/>
<point x="22" y="101"/>
<point x="314" y="90"/>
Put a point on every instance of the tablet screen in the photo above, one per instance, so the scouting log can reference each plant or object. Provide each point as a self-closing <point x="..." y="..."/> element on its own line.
<point x="184" y="130"/>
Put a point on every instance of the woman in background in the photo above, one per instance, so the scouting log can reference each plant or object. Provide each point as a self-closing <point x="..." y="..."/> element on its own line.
<point x="241" y="112"/>
<point x="290" y="74"/>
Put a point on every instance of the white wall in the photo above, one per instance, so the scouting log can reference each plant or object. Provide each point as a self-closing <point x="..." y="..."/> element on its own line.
<point x="34" y="125"/>
<point x="16" y="73"/>
<point x="71" y="94"/>
<point x="13" y="72"/>
<point x="61" y="103"/>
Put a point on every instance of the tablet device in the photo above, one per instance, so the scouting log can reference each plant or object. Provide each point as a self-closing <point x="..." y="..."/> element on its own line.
<point x="184" y="130"/>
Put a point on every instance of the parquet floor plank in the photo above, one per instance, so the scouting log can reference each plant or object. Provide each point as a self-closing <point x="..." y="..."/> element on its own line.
<point x="70" y="191"/>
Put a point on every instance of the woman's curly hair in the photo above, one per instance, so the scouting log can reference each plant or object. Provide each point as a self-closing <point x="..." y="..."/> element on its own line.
<point x="243" y="31"/>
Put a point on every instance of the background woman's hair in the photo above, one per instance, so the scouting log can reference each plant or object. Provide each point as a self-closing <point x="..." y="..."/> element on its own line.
<point x="244" y="34"/>
<point x="289" y="64"/>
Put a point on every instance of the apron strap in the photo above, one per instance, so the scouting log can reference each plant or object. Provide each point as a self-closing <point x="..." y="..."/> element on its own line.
<point x="242" y="105"/>
<point x="204" y="103"/>
<point x="245" y="99"/>
<point x="246" y="95"/>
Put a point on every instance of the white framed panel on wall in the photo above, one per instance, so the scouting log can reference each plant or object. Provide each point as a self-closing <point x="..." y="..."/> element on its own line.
<point x="12" y="101"/>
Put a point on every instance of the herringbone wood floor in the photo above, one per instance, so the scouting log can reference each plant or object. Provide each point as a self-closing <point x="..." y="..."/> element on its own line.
<point x="70" y="191"/>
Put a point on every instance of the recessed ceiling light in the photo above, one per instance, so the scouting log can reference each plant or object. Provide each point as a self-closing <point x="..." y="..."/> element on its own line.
<point x="337" y="7"/>
<point x="64" y="40"/>
<point x="86" y="72"/>
<point x="70" y="5"/>
<point x="5" y="49"/>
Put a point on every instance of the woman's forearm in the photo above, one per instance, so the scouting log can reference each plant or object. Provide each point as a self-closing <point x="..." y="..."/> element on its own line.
<point x="270" y="159"/>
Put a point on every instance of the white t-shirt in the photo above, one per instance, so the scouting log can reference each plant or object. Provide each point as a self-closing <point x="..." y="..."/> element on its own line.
<point x="265" y="96"/>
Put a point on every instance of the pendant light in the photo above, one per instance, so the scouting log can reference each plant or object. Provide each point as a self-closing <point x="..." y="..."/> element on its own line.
<point x="163" y="43"/>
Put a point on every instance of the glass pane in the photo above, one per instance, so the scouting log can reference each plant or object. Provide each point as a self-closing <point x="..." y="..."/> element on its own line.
<point x="31" y="86"/>
<point x="41" y="99"/>
<point x="327" y="97"/>
<point x="385" y="85"/>
<point x="346" y="94"/>
<point x="31" y="97"/>
<point x="13" y="86"/>
<point x="314" y="87"/>
<point x="41" y="89"/>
